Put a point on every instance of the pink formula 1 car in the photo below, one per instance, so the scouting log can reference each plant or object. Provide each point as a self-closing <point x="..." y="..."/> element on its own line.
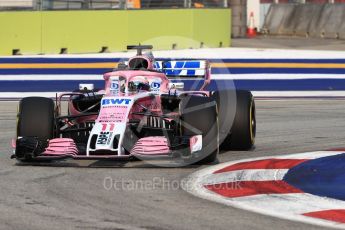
<point x="139" y="114"/>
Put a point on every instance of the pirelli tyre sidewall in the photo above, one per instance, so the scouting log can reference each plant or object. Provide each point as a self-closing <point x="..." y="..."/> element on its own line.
<point x="226" y="103"/>
<point x="36" y="118"/>
<point x="199" y="116"/>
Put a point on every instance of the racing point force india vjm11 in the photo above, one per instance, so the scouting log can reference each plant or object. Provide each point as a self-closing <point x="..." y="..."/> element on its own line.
<point x="139" y="114"/>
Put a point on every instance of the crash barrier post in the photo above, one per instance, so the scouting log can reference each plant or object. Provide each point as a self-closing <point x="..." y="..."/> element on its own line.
<point x="239" y="18"/>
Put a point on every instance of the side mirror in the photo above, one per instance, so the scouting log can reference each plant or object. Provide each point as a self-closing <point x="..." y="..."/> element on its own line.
<point x="176" y="85"/>
<point x="122" y="66"/>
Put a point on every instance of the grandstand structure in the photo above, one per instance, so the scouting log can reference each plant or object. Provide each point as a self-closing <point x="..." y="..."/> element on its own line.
<point x="17" y="5"/>
<point x="107" y="4"/>
<point x="58" y="26"/>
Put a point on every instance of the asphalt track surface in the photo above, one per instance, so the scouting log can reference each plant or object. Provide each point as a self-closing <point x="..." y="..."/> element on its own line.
<point x="79" y="197"/>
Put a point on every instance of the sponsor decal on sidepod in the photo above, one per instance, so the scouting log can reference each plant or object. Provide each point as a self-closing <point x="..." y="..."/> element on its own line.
<point x="116" y="101"/>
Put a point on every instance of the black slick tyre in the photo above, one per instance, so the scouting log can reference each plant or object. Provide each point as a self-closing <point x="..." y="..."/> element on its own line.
<point x="199" y="117"/>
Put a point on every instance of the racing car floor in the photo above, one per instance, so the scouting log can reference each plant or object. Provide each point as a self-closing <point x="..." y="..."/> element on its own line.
<point x="106" y="195"/>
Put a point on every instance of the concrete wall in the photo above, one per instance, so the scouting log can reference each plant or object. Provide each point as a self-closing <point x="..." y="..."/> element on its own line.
<point x="23" y="33"/>
<point x="48" y="32"/>
<point x="239" y="18"/>
<point x="315" y="20"/>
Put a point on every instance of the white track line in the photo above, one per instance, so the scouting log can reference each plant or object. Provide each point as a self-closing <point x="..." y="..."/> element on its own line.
<point x="40" y="77"/>
<point x="272" y="95"/>
<point x="245" y="175"/>
<point x="207" y="53"/>
<point x="49" y="77"/>
<point x="275" y="76"/>
<point x="292" y="94"/>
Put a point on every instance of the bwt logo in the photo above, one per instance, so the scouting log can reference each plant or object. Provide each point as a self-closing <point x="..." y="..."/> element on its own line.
<point x="114" y="85"/>
<point x="155" y="85"/>
<point x="116" y="101"/>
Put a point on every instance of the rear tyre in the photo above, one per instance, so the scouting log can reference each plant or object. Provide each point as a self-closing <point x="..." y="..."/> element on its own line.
<point x="199" y="117"/>
<point x="36" y="118"/>
<point x="243" y="130"/>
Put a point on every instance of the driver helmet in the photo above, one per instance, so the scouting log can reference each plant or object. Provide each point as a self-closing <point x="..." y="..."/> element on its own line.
<point x="138" y="83"/>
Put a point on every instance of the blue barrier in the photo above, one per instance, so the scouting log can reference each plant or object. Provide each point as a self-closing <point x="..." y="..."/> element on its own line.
<point x="330" y="73"/>
<point x="254" y="85"/>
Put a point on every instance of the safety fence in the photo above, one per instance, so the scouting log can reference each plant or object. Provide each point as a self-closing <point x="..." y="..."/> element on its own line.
<point x="309" y="20"/>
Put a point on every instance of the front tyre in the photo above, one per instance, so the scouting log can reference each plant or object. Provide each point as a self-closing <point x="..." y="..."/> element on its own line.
<point x="35" y="126"/>
<point x="36" y="118"/>
<point x="243" y="130"/>
<point x="199" y="117"/>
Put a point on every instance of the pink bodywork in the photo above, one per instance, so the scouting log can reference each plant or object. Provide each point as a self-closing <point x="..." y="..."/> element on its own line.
<point x="61" y="146"/>
<point x="148" y="146"/>
<point x="131" y="74"/>
<point x="151" y="146"/>
<point x="112" y="114"/>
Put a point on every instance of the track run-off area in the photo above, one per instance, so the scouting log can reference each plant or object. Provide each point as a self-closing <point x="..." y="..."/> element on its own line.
<point x="134" y="195"/>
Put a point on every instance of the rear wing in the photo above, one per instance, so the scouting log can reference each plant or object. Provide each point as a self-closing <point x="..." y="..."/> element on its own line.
<point x="186" y="69"/>
<point x="183" y="68"/>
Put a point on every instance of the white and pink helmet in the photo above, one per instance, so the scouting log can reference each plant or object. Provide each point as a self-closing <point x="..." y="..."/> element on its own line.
<point x="138" y="83"/>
